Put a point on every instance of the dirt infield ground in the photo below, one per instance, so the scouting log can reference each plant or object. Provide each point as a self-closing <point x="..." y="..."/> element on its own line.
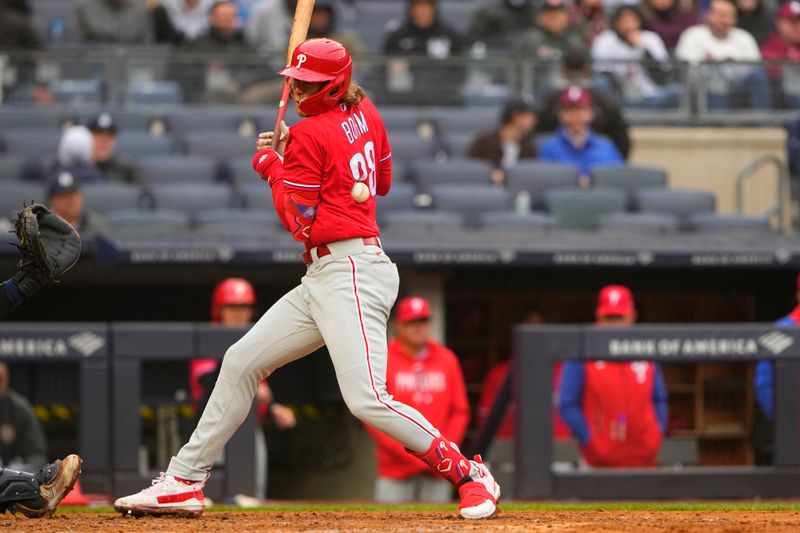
<point x="510" y="521"/>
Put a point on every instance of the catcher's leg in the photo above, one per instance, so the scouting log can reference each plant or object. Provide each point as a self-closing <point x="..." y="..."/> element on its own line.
<point x="37" y="495"/>
<point x="285" y="333"/>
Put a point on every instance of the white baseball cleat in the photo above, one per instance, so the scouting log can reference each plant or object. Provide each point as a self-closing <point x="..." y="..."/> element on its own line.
<point x="478" y="498"/>
<point x="166" y="496"/>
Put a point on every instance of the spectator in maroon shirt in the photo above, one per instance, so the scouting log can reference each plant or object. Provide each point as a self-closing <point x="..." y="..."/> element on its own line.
<point x="668" y="20"/>
<point x="784" y="45"/>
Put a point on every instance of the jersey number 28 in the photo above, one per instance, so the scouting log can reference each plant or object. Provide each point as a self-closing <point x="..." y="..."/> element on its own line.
<point x="363" y="168"/>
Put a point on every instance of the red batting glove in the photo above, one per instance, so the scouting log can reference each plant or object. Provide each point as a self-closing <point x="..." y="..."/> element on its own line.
<point x="269" y="165"/>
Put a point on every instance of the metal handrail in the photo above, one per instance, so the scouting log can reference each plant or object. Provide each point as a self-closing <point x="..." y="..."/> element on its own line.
<point x="782" y="180"/>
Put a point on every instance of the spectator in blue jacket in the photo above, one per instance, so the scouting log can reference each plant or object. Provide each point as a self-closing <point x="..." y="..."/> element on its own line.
<point x="764" y="379"/>
<point x="574" y="142"/>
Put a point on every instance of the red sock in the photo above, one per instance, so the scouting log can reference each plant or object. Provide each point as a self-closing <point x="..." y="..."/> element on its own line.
<point x="446" y="460"/>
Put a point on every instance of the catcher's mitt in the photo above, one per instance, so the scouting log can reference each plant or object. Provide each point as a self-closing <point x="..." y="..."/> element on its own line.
<point x="47" y="241"/>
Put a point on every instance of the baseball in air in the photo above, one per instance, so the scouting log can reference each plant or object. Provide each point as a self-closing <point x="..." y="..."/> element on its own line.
<point x="360" y="192"/>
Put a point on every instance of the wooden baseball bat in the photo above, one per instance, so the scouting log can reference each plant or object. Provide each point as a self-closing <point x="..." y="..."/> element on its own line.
<point x="302" y="18"/>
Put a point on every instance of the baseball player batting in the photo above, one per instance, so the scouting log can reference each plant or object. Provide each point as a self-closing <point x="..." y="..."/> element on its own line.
<point x="324" y="177"/>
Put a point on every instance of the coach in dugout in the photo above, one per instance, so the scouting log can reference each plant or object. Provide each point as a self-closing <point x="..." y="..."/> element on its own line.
<point x="426" y="376"/>
<point x="616" y="411"/>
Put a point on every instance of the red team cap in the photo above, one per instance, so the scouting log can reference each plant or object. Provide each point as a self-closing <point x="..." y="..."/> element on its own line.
<point x="320" y="60"/>
<point x="615" y="300"/>
<point x="790" y="10"/>
<point x="413" y="308"/>
<point x="575" y="96"/>
<point x="232" y="291"/>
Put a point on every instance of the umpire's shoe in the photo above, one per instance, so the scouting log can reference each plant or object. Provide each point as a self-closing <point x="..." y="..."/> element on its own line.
<point x="55" y="481"/>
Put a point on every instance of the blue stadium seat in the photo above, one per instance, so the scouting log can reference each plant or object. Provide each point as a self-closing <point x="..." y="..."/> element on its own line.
<point x="177" y="169"/>
<point x="679" y="202"/>
<point x="25" y="117"/>
<point x="192" y="120"/>
<point x="514" y="222"/>
<point x="629" y="177"/>
<point x="239" y="171"/>
<point x="139" y="144"/>
<point x="400" y="198"/>
<point x="459" y="13"/>
<point x="11" y="166"/>
<point x="154" y="93"/>
<point x="55" y="21"/>
<point x="375" y="19"/>
<point x="192" y="197"/>
<point x="471" y="200"/>
<point x="104" y="197"/>
<point x="77" y="92"/>
<point x="14" y="193"/>
<point x="147" y="221"/>
<point x="729" y="224"/>
<point x="219" y="144"/>
<point x="408" y="147"/>
<point x="581" y="209"/>
<point x="423" y="221"/>
<point x="237" y="221"/>
<point x="644" y="223"/>
<point x="458" y="144"/>
<point x="34" y="141"/>
<point x="256" y="195"/>
<point x="429" y="173"/>
<point x="536" y="177"/>
<point x="464" y="120"/>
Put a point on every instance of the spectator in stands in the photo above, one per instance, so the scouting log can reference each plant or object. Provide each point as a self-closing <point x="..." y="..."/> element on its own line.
<point x="22" y="441"/>
<point x="426" y="376"/>
<point x="575" y="142"/>
<point x="608" y="120"/>
<point x="16" y="31"/>
<point x="636" y="61"/>
<point x="510" y="142"/>
<point x="553" y="36"/>
<point x="66" y="200"/>
<point x="233" y="303"/>
<point x="270" y="24"/>
<point x="617" y="411"/>
<point x="497" y="26"/>
<point x="784" y="45"/>
<point x="75" y="150"/>
<point x="114" y="21"/>
<point x="224" y="32"/>
<point x="178" y="21"/>
<point x="668" y="20"/>
<point x="589" y="17"/>
<point x="720" y="40"/>
<point x="423" y="34"/>
<point x="112" y="165"/>
<point x="756" y="18"/>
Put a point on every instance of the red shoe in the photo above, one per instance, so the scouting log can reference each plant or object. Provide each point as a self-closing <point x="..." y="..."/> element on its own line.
<point x="478" y="498"/>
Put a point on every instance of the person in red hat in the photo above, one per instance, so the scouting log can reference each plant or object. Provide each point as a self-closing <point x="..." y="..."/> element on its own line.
<point x="574" y="142"/>
<point x="784" y="45"/>
<point x="425" y="375"/>
<point x="617" y="411"/>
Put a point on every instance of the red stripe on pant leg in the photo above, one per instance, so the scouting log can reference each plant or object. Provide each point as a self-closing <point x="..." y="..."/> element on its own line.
<point x="366" y="346"/>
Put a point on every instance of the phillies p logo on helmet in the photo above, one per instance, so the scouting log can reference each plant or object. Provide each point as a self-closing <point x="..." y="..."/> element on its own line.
<point x="301" y="58"/>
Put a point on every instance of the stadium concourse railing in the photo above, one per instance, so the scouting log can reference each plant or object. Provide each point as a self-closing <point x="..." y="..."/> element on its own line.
<point x="537" y="348"/>
<point x="161" y="77"/>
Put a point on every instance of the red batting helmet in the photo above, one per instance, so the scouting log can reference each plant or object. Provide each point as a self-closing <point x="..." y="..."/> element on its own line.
<point x="232" y="291"/>
<point x="321" y="60"/>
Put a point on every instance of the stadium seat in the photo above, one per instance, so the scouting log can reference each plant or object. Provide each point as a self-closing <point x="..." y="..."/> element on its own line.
<point x="256" y="195"/>
<point x="104" y="197"/>
<point x="193" y="197"/>
<point x="536" y="177"/>
<point x="138" y="144"/>
<point x="33" y="141"/>
<point x="513" y="221"/>
<point x="679" y="202"/>
<point x="459" y="13"/>
<point x="400" y="198"/>
<point x="21" y="117"/>
<point x="406" y="119"/>
<point x="423" y="221"/>
<point x="458" y="144"/>
<point x="189" y="120"/>
<point x="646" y="223"/>
<point x="239" y="171"/>
<point x="55" y="21"/>
<point x="581" y="209"/>
<point x="629" y="177"/>
<point x="14" y="193"/>
<point x="77" y="92"/>
<point x="154" y="93"/>
<point x="220" y="144"/>
<point x="177" y="169"/>
<point x="136" y="121"/>
<point x="466" y="120"/>
<point x="375" y="19"/>
<point x="237" y="222"/>
<point x="11" y="166"/>
<point x="428" y="174"/>
<point x="147" y="221"/>
<point x="713" y="223"/>
<point x="471" y="200"/>
<point x="407" y="146"/>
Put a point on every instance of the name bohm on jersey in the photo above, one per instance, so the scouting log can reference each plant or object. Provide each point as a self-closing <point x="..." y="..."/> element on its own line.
<point x="355" y="126"/>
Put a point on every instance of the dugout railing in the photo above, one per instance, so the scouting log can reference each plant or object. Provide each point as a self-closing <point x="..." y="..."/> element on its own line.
<point x="537" y="348"/>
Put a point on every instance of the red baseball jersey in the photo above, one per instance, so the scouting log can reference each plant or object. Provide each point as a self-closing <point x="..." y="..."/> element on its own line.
<point x="325" y="155"/>
<point x="434" y="386"/>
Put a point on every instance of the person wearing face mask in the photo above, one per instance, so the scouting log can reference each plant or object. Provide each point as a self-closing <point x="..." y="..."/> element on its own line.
<point x="636" y="60"/>
<point x="114" y="21"/>
<point x="617" y="411"/>
<point x="497" y="26"/>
